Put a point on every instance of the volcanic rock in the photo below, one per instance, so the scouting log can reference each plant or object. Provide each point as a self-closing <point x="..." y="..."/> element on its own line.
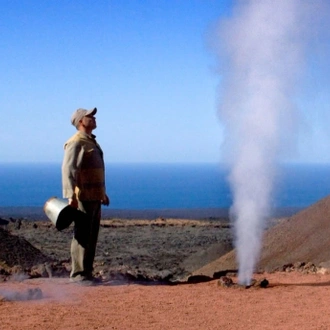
<point x="302" y="237"/>
<point x="3" y="222"/>
<point x="225" y="281"/>
<point x="29" y="294"/>
<point x="15" y="250"/>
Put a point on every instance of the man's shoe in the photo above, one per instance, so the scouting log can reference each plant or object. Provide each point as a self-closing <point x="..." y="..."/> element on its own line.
<point x="95" y="280"/>
<point x="86" y="280"/>
<point x="78" y="278"/>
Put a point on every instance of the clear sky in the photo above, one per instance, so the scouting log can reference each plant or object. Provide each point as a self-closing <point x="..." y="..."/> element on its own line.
<point x="146" y="65"/>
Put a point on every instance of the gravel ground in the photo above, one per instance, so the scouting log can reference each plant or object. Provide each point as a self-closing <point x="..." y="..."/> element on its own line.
<point x="160" y="249"/>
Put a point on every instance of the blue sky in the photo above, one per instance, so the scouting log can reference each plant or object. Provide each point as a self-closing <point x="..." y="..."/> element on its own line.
<point x="146" y="65"/>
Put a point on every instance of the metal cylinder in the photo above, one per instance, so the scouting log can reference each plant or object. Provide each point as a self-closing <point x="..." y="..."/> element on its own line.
<point x="61" y="214"/>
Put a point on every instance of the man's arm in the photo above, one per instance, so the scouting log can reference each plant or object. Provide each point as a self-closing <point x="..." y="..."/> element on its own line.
<point x="106" y="200"/>
<point x="70" y="169"/>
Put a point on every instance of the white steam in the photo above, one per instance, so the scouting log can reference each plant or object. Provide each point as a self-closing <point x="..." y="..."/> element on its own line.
<point x="262" y="49"/>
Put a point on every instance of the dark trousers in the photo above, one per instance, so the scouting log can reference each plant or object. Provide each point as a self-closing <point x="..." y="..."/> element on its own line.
<point x="83" y="245"/>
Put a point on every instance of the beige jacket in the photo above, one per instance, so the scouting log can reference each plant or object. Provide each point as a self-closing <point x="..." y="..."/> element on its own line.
<point x="83" y="173"/>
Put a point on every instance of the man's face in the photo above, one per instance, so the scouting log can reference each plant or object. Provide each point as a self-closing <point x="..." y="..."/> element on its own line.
<point x="89" y="122"/>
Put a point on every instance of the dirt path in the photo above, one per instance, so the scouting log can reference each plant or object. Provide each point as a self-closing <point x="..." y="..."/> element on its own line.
<point x="292" y="301"/>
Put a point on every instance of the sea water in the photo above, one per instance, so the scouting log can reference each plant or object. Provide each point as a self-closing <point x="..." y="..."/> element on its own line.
<point x="162" y="186"/>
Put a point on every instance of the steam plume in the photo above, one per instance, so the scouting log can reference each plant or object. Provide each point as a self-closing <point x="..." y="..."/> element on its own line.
<point x="262" y="49"/>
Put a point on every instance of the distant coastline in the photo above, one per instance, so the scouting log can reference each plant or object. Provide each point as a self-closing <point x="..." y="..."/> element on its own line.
<point x="175" y="188"/>
<point x="37" y="213"/>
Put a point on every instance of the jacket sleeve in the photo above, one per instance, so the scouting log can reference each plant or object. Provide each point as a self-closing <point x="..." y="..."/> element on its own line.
<point x="73" y="153"/>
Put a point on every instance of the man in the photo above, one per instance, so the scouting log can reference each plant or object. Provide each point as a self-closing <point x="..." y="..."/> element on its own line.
<point x="83" y="181"/>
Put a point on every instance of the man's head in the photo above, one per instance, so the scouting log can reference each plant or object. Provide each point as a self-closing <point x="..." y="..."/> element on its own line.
<point x="84" y="119"/>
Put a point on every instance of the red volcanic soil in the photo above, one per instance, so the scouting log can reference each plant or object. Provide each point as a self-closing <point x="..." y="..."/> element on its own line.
<point x="291" y="301"/>
<point x="294" y="260"/>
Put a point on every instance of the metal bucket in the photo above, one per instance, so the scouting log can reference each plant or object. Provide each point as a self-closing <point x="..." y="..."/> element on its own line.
<point x="61" y="214"/>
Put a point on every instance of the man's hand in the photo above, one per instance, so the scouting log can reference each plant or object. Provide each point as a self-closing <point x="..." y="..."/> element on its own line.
<point x="106" y="201"/>
<point x="73" y="202"/>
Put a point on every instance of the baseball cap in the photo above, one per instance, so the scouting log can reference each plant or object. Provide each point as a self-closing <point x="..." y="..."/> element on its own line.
<point x="80" y="114"/>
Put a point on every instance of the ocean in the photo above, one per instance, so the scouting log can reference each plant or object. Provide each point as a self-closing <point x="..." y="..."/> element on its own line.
<point x="162" y="186"/>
